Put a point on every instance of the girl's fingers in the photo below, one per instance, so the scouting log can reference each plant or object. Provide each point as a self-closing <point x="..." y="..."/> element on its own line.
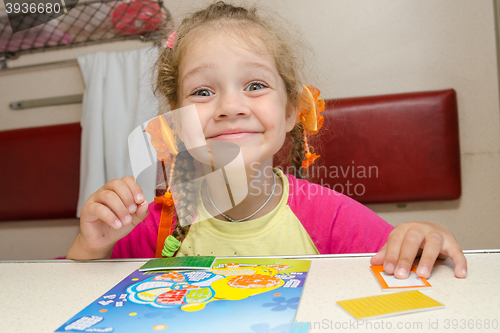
<point x="117" y="201"/>
<point x="140" y="214"/>
<point x="409" y="249"/>
<point x="457" y="256"/>
<point x="122" y="199"/>
<point x="378" y="259"/>
<point x="393" y="247"/>
<point x="99" y="211"/>
<point x="129" y="192"/>
<point x="139" y="209"/>
<point x="135" y="189"/>
<point x="433" y="245"/>
<point x="122" y="188"/>
<point x="405" y="242"/>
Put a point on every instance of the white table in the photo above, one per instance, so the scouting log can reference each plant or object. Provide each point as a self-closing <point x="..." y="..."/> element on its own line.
<point x="40" y="296"/>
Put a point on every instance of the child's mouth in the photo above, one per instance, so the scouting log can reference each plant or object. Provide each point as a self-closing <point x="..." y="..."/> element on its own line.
<point x="233" y="136"/>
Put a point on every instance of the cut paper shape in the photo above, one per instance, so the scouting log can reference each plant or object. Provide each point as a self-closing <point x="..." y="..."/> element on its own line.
<point x="389" y="304"/>
<point x="193" y="262"/>
<point x="84" y="323"/>
<point x="389" y="283"/>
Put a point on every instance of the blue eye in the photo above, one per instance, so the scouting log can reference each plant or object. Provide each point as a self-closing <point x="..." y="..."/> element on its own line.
<point x="255" y="86"/>
<point x="203" y="92"/>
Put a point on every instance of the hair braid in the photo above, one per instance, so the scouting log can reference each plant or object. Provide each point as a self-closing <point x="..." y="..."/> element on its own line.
<point x="297" y="151"/>
<point x="186" y="192"/>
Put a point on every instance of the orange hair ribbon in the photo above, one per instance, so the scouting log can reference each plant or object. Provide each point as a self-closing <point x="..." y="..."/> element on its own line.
<point x="162" y="139"/>
<point x="309" y="114"/>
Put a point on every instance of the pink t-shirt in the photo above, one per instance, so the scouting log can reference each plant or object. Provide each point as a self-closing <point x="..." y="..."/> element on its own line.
<point x="335" y="223"/>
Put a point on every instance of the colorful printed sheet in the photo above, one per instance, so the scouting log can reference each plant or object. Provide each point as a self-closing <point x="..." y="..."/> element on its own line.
<point x="235" y="295"/>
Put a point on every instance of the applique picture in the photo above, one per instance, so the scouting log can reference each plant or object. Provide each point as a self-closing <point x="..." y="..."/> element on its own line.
<point x="234" y="295"/>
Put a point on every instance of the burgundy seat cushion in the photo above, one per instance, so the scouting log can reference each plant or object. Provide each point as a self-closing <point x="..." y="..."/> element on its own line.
<point x="40" y="172"/>
<point x="392" y="148"/>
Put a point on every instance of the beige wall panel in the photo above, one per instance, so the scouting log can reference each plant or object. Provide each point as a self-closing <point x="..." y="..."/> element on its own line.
<point x="37" y="239"/>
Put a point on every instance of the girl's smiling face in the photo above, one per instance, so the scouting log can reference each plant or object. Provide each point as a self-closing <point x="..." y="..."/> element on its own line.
<point x="239" y="95"/>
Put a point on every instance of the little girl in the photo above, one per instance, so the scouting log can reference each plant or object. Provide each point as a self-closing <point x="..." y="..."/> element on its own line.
<point x="241" y="73"/>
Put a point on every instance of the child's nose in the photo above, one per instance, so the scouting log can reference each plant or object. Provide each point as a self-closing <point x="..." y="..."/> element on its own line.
<point x="231" y="105"/>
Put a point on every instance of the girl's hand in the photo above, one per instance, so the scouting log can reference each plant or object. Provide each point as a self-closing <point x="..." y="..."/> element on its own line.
<point x="108" y="215"/>
<point x="409" y="239"/>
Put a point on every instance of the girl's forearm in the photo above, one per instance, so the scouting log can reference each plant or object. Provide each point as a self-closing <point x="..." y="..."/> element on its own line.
<point x="78" y="251"/>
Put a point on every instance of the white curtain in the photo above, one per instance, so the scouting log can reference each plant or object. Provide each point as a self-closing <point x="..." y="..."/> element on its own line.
<point x="118" y="97"/>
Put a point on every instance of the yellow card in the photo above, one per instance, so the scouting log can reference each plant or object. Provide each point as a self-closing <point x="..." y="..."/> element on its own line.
<point x="389" y="304"/>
